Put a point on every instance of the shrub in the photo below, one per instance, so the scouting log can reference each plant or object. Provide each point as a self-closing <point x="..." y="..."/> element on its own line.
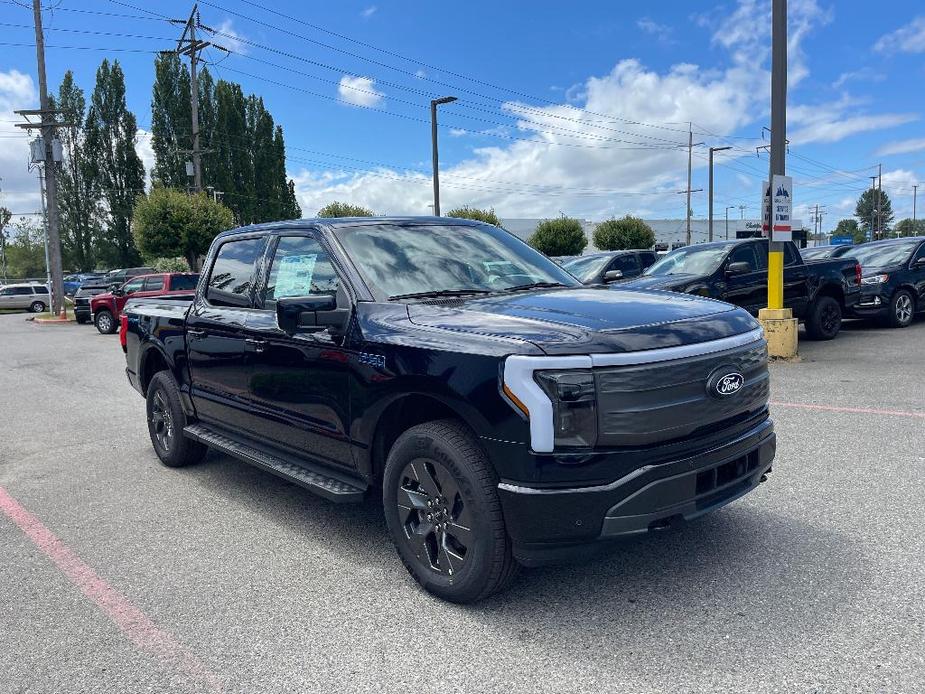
<point x="344" y="209"/>
<point x="170" y="264"/>
<point x="622" y="234"/>
<point x="466" y="212"/>
<point x="560" y="236"/>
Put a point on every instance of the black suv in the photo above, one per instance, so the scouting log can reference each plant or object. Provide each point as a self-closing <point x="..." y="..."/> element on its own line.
<point x="893" y="281"/>
<point x="506" y="413"/>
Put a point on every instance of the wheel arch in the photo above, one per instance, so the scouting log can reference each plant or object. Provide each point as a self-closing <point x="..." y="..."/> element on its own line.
<point x="151" y="361"/>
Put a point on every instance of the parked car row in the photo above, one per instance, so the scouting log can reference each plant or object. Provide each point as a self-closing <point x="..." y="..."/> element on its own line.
<point x="102" y="306"/>
<point x="25" y="297"/>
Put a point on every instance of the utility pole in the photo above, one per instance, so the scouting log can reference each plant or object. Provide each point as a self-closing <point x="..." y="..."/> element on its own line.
<point x="710" y="206"/>
<point x="914" y="190"/>
<point x="727" y="220"/>
<point x="690" y="148"/>
<point x="879" y="196"/>
<point x="48" y="127"/>
<point x="741" y="211"/>
<point x="873" y="187"/>
<point x="780" y="327"/>
<point x="190" y="46"/>
<point x="433" y="142"/>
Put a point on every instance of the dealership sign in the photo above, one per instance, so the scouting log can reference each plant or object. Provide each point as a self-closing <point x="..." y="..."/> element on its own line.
<point x="782" y="208"/>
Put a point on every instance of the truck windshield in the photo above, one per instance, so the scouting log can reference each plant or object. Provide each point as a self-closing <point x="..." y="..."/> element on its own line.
<point x="419" y="259"/>
<point x="690" y="261"/>
<point x="587" y="268"/>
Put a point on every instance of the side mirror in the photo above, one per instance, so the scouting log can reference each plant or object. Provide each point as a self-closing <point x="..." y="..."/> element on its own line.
<point x="613" y="275"/>
<point x="310" y="314"/>
<point x="740" y="268"/>
<point x="116" y="290"/>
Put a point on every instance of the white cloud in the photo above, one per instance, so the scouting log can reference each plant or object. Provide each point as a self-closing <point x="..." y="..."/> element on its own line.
<point x="907" y="39"/>
<point x="902" y="147"/>
<point x="660" y="31"/>
<point x="20" y="188"/>
<point x="828" y="123"/>
<point x="359" y="91"/>
<point x="145" y="152"/>
<point x="865" y="74"/>
<point x="368" y="12"/>
<point x="458" y="132"/>
<point x="231" y="39"/>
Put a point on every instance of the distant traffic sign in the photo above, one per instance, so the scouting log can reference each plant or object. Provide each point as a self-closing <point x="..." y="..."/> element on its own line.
<point x="841" y="241"/>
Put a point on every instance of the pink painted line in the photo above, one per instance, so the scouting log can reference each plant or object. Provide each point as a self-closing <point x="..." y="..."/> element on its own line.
<point x="135" y="625"/>
<point x="854" y="410"/>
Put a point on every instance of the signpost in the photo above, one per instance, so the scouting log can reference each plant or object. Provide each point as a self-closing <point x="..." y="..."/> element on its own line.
<point x="782" y="209"/>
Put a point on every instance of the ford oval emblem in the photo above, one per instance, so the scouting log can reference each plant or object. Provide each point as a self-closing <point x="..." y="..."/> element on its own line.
<point x="726" y="384"/>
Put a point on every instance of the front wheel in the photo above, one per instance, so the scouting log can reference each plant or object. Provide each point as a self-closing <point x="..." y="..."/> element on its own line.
<point x="902" y="308"/>
<point x="166" y="421"/>
<point x="105" y="322"/>
<point x="37" y="307"/>
<point x="442" y="509"/>
<point x="824" y="318"/>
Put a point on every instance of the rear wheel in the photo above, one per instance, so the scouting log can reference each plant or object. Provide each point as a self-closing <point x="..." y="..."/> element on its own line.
<point x="442" y="509"/>
<point x="824" y="318"/>
<point x="105" y="322"/>
<point x="902" y="308"/>
<point x="166" y="421"/>
<point x="37" y="307"/>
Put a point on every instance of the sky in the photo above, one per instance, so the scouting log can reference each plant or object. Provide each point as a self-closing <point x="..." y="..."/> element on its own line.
<point x="563" y="108"/>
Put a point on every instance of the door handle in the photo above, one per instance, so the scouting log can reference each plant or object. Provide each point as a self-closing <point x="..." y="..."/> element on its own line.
<point x="192" y="332"/>
<point x="257" y="344"/>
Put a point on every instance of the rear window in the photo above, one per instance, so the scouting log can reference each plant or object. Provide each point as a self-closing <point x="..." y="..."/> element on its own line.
<point x="40" y="289"/>
<point x="183" y="282"/>
<point x="233" y="272"/>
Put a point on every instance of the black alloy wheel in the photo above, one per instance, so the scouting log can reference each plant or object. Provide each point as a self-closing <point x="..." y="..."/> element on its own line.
<point x="823" y="321"/>
<point x="161" y="423"/>
<point x="436" y="521"/>
<point x="166" y="421"/>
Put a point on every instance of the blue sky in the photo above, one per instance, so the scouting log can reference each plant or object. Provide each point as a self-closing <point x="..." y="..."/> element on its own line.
<point x="575" y="108"/>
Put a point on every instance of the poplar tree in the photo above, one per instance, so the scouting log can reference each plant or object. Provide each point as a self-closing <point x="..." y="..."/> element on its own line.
<point x="111" y="133"/>
<point x="79" y="191"/>
<point x="170" y="120"/>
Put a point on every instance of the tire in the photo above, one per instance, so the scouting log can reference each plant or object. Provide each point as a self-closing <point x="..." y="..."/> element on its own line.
<point x="902" y="309"/>
<point x="37" y="307"/>
<point x="824" y="318"/>
<point x="166" y="421"/>
<point x="441" y="506"/>
<point x="105" y="322"/>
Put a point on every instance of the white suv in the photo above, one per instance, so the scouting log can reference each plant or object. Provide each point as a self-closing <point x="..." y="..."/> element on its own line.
<point x="33" y="297"/>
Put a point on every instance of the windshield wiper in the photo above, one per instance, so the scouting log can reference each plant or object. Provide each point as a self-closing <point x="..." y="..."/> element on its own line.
<point x="535" y="285"/>
<point x="438" y="293"/>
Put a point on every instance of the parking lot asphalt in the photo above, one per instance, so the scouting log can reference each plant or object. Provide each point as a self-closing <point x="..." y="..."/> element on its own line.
<point x="120" y="575"/>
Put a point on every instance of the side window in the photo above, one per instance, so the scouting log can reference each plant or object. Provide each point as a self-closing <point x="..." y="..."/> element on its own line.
<point x="300" y="267"/>
<point x="920" y="254"/>
<point x="648" y="258"/>
<point x="22" y="291"/>
<point x="233" y="272"/>
<point x="6" y="292"/>
<point x="790" y="255"/>
<point x="745" y="254"/>
<point x="154" y="284"/>
<point x="40" y="289"/>
<point x="626" y="263"/>
<point x="133" y="286"/>
<point x="761" y="250"/>
<point x="183" y="283"/>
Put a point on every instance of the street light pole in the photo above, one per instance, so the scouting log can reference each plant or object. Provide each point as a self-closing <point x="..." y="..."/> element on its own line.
<point x="727" y="220"/>
<point x="433" y="137"/>
<point x="710" y="212"/>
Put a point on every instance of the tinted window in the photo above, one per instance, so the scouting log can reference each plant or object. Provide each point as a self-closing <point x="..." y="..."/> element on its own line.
<point x="745" y="254"/>
<point x="300" y="267"/>
<point x="154" y="284"/>
<point x="21" y="291"/>
<point x="790" y="255"/>
<point x="626" y="263"/>
<point x="884" y="254"/>
<point x="133" y="286"/>
<point x="761" y="250"/>
<point x="920" y="254"/>
<point x="647" y="259"/>
<point x="588" y="267"/>
<point x="40" y="289"/>
<point x="233" y="272"/>
<point x="183" y="282"/>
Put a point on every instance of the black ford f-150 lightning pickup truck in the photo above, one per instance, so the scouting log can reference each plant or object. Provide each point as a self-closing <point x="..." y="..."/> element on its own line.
<point x="507" y="414"/>
<point x="819" y="292"/>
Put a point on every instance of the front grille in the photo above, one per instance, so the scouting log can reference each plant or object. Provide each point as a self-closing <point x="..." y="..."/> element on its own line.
<point x="81" y="301"/>
<point x="657" y="403"/>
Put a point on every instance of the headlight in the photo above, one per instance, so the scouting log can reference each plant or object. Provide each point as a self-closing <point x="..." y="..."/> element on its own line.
<point x="574" y="410"/>
<point x="875" y="279"/>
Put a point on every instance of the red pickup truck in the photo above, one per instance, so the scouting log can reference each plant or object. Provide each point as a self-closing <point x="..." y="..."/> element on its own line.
<point x="106" y="308"/>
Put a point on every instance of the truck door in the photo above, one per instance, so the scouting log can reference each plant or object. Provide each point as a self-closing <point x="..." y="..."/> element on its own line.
<point x="216" y="347"/>
<point x="748" y="290"/>
<point x="796" y="282"/>
<point x="299" y="382"/>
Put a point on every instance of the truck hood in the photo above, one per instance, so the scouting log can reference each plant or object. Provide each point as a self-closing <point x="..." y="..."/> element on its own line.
<point x="666" y="282"/>
<point x="587" y="319"/>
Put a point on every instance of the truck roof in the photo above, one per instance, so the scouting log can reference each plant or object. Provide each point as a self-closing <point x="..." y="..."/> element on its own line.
<point x="346" y="221"/>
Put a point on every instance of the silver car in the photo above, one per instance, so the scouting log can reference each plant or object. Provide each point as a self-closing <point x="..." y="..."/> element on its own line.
<point x="32" y="297"/>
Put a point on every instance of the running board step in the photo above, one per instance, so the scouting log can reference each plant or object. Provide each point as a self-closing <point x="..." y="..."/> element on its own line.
<point x="320" y="483"/>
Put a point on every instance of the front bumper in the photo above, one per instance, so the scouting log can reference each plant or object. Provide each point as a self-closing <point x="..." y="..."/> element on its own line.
<point x="872" y="304"/>
<point x="548" y="525"/>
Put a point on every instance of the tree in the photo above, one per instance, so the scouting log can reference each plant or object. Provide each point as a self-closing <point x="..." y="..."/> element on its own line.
<point x="560" y="236"/>
<point x="466" y="212"/>
<point x="111" y="133"/>
<point x="170" y="223"/>
<point x="909" y="227"/>
<point x="171" y="120"/>
<point x="866" y="209"/>
<point x="849" y="227"/>
<point x="622" y="234"/>
<point x="344" y="209"/>
<point x="5" y="217"/>
<point x="79" y="192"/>
<point x="25" y="250"/>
